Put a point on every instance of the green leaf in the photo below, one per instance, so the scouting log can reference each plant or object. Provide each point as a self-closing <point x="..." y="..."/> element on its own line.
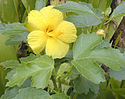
<point x="118" y="75"/>
<point x="10" y="64"/>
<point x="119" y="11"/>
<point x="85" y="44"/>
<point x="74" y="74"/>
<point x="109" y="56"/>
<point x="39" y="69"/>
<point x="29" y="4"/>
<point x="89" y="70"/>
<point x="64" y="67"/>
<point x="40" y="4"/>
<point x="87" y="55"/>
<point x="101" y="4"/>
<point x="82" y="85"/>
<point x="10" y="93"/>
<point x="71" y="6"/>
<point x="3" y="81"/>
<point x="105" y="94"/>
<point x="86" y="66"/>
<point x="119" y="91"/>
<point x="90" y="95"/>
<point x="9" y="11"/>
<point x="32" y="93"/>
<point x="6" y="52"/>
<point x="97" y="12"/>
<point x="15" y="31"/>
<point x="87" y="15"/>
<point x="59" y="96"/>
<point x="115" y="83"/>
<point x="83" y="20"/>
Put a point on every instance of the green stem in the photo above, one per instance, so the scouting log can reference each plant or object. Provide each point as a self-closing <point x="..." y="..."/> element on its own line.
<point x="53" y="79"/>
<point x="117" y="40"/>
<point x="67" y="73"/>
<point x="53" y="90"/>
<point x="60" y="85"/>
<point x="122" y="83"/>
<point x="54" y="82"/>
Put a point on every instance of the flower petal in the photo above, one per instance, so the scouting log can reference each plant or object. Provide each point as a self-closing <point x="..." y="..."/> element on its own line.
<point x="66" y="32"/>
<point x="56" y="48"/>
<point x="37" y="41"/>
<point x="35" y="21"/>
<point x="52" y="16"/>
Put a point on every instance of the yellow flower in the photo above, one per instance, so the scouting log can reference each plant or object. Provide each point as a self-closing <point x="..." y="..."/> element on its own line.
<point x="49" y="31"/>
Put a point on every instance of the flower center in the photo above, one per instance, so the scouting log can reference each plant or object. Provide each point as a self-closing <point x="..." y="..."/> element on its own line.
<point x="50" y="33"/>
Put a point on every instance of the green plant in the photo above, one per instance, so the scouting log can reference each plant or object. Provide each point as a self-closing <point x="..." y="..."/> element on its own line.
<point x="78" y="75"/>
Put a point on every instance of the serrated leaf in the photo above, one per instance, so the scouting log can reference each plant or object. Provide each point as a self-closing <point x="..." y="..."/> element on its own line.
<point x="86" y="55"/>
<point x="82" y="85"/>
<point x="29" y="58"/>
<point x="83" y="20"/>
<point x="32" y="93"/>
<point x="40" y="4"/>
<point x="10" y="64"/>
<point x="87" y="67"/>
<point x="15" y="31"/>
<point x="59" y="96"/>
<point x="39" y="70"/>
<point x="119" y="11"/>
<point x="118" y="75"/>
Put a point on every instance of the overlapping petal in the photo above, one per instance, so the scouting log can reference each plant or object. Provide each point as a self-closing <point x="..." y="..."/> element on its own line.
<point x="52" y="17"/>
<point x="35" y="21"/>
<point x="37" y="41"/>
<point x="66" y="32"/>
<point x="56" y="48"/>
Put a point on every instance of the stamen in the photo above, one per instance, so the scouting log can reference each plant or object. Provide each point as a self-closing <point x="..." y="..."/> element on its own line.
<point x="57" y="34"/>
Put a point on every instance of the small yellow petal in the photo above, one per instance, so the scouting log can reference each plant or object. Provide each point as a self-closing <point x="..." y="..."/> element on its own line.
<point x="35" y="21"/>
<point x="56" y="48"/>
<point x="66" y="32"/>
<point x="52" y="17"/>
<point x="37" y="41"/>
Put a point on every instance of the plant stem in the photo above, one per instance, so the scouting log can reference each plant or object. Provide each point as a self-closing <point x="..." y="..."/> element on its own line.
<point x="53" y="90"/>
<point x="60" y="85"/>
<point x="117" y="40"/>
<point x="67" y="73"/>
<point x="53" y="79"/>
<point x="54" y="82"/>
<point x="122" y="83"/>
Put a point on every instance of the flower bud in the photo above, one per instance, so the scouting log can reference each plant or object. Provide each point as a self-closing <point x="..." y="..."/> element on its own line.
<point x="100" y="32"/>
